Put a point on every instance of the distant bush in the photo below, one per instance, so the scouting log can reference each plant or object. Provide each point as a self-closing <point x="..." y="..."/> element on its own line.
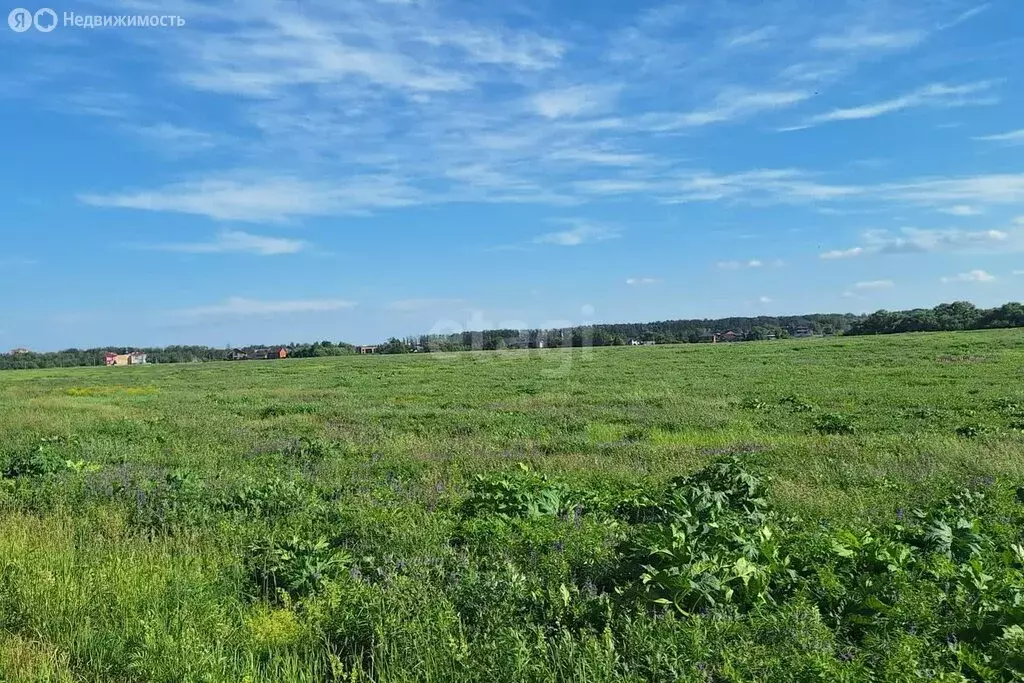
<point x="45" y="457"/>
<point x="972" y="430"/>
<point x="311" y="450"/>
<point x="711" y="542"/>
<point x="834" y="423"/>
<point x="295" y="566"/>
<point x="281" y="409"/>
<point x="796" y="404"/>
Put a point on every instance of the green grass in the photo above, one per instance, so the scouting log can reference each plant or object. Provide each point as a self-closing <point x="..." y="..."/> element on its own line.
<point x="507" y="516"/>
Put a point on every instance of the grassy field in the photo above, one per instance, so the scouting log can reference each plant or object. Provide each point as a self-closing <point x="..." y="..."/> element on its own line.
<point x="827" y="509"/>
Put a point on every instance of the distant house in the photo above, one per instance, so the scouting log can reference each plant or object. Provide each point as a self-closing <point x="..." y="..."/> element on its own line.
<point x="728" y="336"/>
<point x="635" y="342"/>
<point x="366" y="349"/>
<point x="258" y="354"/>
<point x="267" y="354"/>
<point x="803" y="331"/>
<point x="133" y="358"/>
<point x="19" y="351"/>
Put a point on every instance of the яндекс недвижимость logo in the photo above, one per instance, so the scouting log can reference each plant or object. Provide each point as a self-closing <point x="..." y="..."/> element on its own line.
<point x="21" y="20"/>
<point x="45" y="20"/>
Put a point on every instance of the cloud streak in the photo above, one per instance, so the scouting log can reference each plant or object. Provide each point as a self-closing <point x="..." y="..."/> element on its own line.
<point x="861" y="39"/>
<point x="971" y="276"/>
<point x="419" y="305"/>
<point x="263" y="198"/>
<point x="236" y="241"/>
<point x="242" y="307"/>
<point x="582" y="234"/>
<point x="918" y="241"/>
<point x="1010" y="136"/>
<point x="874" y="284"/>
<point x="934" y="95"/>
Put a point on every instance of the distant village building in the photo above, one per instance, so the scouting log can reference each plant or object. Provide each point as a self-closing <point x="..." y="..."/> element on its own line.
<point x="366" y="349"/>
<point x="133" y="358"/>
<point x="258" y="354"/>
<point x="19" y="351"/>
<point x="803" y="331"/>
<point x="728" y="336"/>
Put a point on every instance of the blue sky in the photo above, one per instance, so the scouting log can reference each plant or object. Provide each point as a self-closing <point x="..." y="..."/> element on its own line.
<point x="353" y="170"/>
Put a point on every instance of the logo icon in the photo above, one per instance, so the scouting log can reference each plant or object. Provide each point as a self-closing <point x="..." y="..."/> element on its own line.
<point x="46" y="20"/>
<point x="20" y="20"/>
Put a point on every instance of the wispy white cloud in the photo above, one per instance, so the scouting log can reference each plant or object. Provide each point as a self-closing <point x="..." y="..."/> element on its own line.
<point x="419" y="305"/>
<point x="962" y="210"/>
<point x="581" y="234"/>
<point x="934" y="95"/>
<point x="874" y="284"/>
<point x="971" y="276"/>
<point x="365" y="106"/>
<point x="862" y="39"/>
<point x="524" y="50"/>
<point x="599" y="157"/>
<point x="641" y="281"/>
<point x="913" y="240"/>
<point x="1010" y="136"/>
<point x="736" y="265"/>
<point x="856" y="291"/>
<point x="265" y="198"/>
<point x="176" y="140"/>
<point x="780" y="185"/>
<point x="1001" y="188"/>
<point x="1018" y="272"/>
<point x="764" y="299"/>
<point x="966" y="15"/>
<point x="843" y="253"/>
<point x="242" y="307"/>
<point x="753" y="37"/>
<point x="728" y="106"/>
<point x="573" y="101"/>
<point x="917" y="241"/>
<point x="236" y="241"/>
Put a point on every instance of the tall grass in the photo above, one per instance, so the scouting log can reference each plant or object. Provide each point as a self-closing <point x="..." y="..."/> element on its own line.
<point x="482" y="516"/>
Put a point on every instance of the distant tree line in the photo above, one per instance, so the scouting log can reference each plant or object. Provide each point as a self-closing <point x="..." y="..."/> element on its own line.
<point x="959" y="315"/>
<point x="661" y="332"/>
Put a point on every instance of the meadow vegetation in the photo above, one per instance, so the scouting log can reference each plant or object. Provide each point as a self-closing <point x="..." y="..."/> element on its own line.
<point x="829" y="509"/>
